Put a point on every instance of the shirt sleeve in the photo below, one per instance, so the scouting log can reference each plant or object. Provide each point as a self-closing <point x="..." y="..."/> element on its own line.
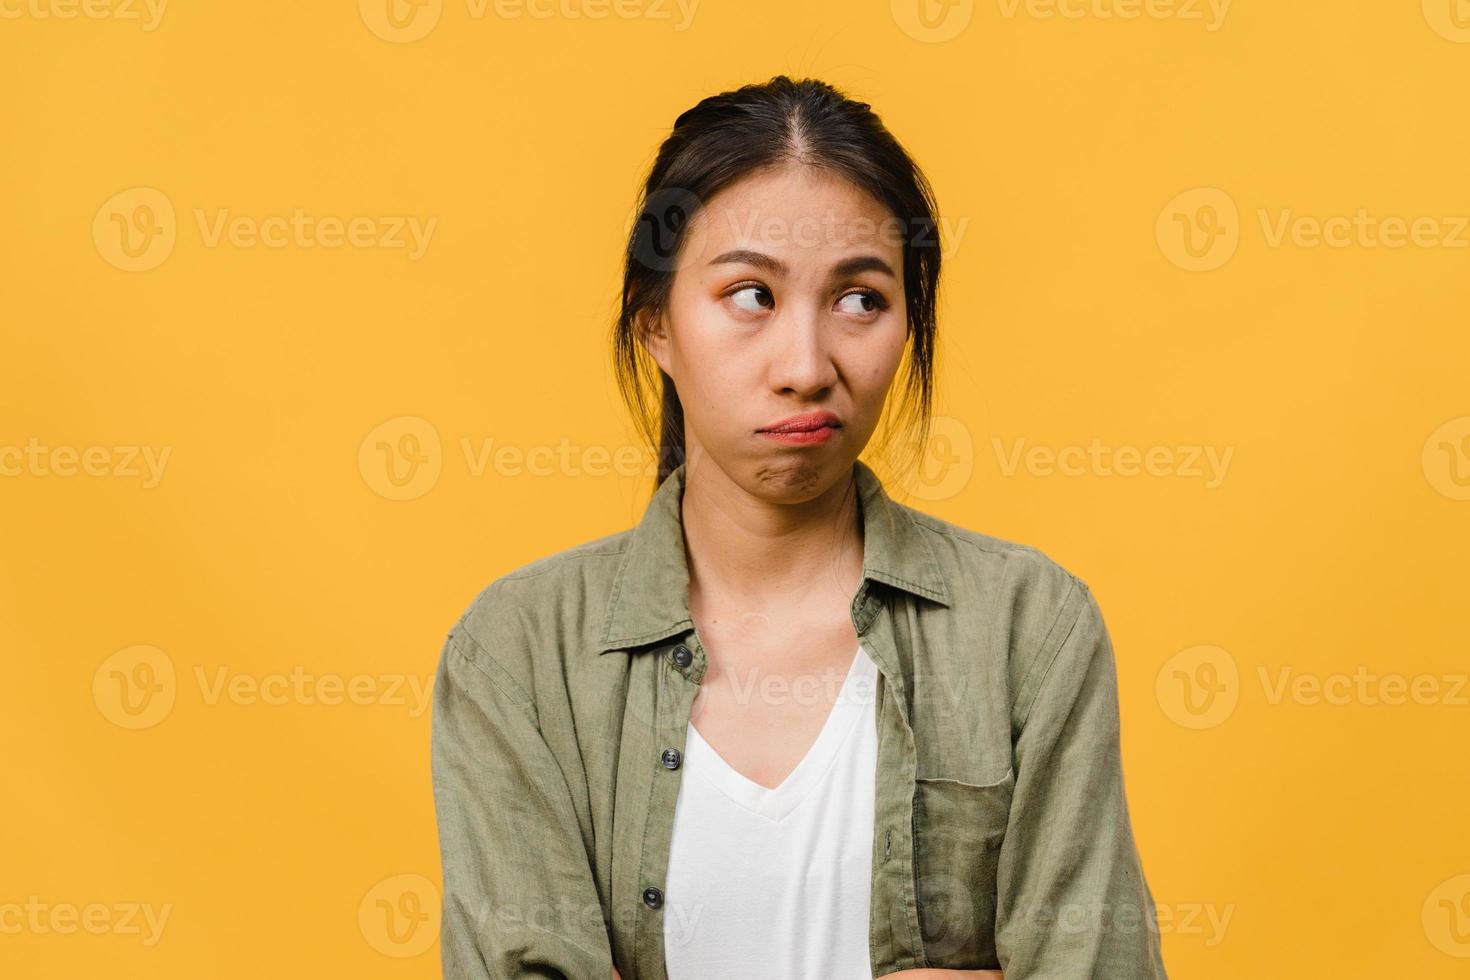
<point x="1071" y="896"/>
<point x="520" y="899"/>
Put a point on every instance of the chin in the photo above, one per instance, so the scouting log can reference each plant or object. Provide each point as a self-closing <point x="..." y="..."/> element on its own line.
<point x="795" y="477"/>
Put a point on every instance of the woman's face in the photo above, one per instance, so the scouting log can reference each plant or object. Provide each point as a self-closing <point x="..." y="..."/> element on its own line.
<point x="788" y="301"/>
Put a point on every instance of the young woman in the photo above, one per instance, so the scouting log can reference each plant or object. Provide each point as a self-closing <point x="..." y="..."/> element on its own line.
<point x="786" y="727"/>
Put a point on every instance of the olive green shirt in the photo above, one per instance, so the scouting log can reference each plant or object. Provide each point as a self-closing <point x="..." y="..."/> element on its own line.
<point x="1001" y="833"/>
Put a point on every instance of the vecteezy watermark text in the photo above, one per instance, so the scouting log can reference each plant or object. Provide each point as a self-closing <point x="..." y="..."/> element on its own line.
<point x="137" y="229"/>
<point x="149" y="13"/>
<point x="39" y="918"/>
<point x="1208" y="463"/>
<point x="35" y="459"/>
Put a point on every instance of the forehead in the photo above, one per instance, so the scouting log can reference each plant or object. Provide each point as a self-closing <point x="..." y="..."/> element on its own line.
<point x="794" y="210"/>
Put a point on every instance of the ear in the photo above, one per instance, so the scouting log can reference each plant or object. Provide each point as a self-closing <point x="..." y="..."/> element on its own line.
<point x="651" y="328"/>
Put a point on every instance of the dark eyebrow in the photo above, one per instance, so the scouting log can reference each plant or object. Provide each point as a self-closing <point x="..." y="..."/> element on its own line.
<point x="861" y="263"/>
<point x="843" y="269"/>
<point x="745" y="256"/>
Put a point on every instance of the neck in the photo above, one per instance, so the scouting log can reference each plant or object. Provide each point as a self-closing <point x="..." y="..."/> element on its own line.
<point x="761" y="554"/>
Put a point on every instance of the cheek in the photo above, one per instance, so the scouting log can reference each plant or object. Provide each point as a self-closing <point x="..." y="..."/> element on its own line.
<point x="697" y="343"/>
<point x="880" y="360"/>
<point x="714" y="371"/>
<point x="699" y="326"/>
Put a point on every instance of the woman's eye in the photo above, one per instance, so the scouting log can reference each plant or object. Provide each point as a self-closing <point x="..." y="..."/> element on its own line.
<point x="753" y="299"/>
<point x="861" y="303"/>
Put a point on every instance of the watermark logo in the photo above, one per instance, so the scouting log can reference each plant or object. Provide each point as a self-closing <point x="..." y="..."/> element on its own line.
<point x="947" y="462"/>
<point x="1210" y="13"/>
<point x="399" y="916"/>
<point x="37" y="460"/>
<point x="1363" y="687"/>
<point x="679" y="13"/>
<point x="932" y="21"/>
<point x="40" y="918"/>
<point x="301" y="687"/>
<point x="1446" y="916"/>
<point x="935" y="234"/>
<point x="1199" y="230"/>
<point x="308" y="231"/>
<point x="135" y="229"/>
<point x="1362" y="229"/>
<point x="148" y="13"/>
<point x="1206" y="463"/>
<point x="135" y="687"/>
<point x="508" y="460"/>
<point x="1450" y="19"/>
<point x="662" y="237"/>
<point x="405" y="21"/>
<point x="402" y="458"/>
<point x="1446" y="458"/>
<point x="1208" y="920"/>
<point x="1201" y="686"/>
<point x="400" y="21"/>
<point x="1198" y="687"/>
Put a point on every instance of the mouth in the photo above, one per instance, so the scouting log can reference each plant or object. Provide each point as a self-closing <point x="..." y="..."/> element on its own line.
<point x="803" y="430"/>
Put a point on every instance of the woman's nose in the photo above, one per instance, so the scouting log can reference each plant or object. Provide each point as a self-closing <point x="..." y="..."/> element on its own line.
<point x="802" y="358"/>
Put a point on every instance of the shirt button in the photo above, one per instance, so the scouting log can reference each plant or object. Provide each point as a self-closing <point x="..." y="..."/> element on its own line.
<point x="652" y="897"/>
<point x="682" y="656"/>
<point x="671" y="758"/>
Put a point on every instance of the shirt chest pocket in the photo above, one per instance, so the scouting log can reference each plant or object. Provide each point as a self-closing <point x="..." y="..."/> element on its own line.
<point x="958" y="829"/>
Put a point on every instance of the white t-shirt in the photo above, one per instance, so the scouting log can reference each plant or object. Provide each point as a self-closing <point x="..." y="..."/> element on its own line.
<point x="774" y="883"/>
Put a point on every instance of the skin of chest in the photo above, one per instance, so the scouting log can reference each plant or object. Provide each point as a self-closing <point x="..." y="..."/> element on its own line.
<point x="762" y="708"/>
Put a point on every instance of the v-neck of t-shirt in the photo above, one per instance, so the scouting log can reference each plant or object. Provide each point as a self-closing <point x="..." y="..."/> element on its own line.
<point x="775" y="802"/>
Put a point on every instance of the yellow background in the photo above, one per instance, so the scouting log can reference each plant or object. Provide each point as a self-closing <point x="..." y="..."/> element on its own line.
<point x="1328" y="838"/>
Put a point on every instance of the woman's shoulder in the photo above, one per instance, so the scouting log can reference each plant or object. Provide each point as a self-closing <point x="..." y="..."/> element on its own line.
<point x="971" y="558"/>
<point x="572" y="562"/>
<point x="1014" y="590"/>
<point x="548" y="604"/>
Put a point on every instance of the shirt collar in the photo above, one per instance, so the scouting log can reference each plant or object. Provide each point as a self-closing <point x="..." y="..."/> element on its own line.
<point x="650" y="596"/>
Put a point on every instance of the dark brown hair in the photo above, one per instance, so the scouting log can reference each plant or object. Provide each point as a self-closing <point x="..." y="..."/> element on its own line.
<point x="729" y="136"/>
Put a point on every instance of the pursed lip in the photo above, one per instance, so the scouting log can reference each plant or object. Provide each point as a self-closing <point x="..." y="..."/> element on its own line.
<point x="806" y="422"/>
